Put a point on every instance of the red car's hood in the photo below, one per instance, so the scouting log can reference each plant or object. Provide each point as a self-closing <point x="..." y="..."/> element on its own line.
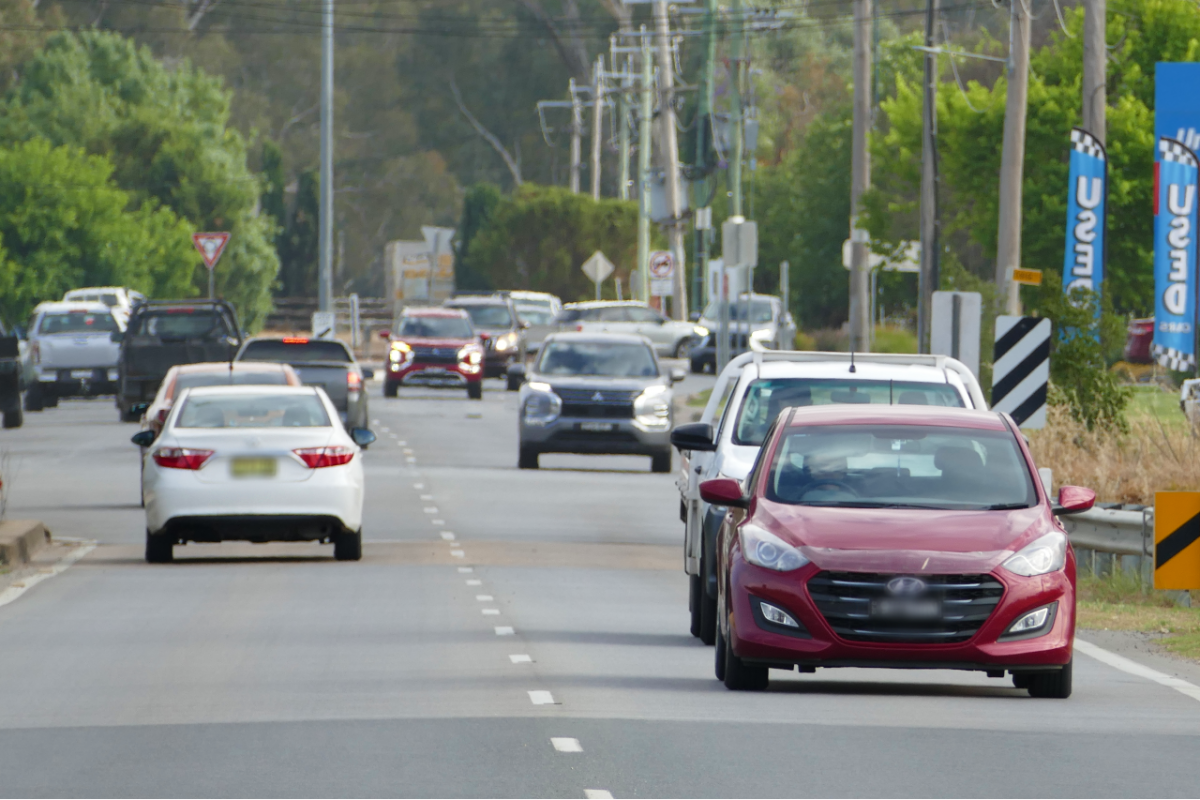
<point x="421" y="342"/>
<point x="898" y="540"/>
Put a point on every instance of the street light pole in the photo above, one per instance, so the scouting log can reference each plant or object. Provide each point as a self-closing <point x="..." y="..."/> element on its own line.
<point x="325" y="231"/>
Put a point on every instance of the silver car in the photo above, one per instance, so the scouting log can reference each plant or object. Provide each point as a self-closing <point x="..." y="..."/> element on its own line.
<point x="670" y="338"/>
<point x="771" y="325"/>
<point x="71" y="353"/>
<point x="597" y="393"/>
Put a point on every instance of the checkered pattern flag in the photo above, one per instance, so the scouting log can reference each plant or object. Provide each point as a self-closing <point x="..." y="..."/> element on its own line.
<point x="1176" y="151"/>
<point x="1172" y="359"/>
<point x="1085" y="143"/>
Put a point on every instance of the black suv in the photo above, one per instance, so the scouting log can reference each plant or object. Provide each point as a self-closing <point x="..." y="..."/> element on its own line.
<point x="495" y="319"/>
<point x="12" y="379"/>
<point x="163" y="333"/>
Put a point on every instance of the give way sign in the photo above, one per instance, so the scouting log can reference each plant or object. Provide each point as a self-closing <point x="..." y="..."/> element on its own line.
<point x="210" y="245"/>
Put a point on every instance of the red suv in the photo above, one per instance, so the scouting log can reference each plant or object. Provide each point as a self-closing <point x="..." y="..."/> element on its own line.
<point x="895" y="536"/>
<point x="435" y="347"/>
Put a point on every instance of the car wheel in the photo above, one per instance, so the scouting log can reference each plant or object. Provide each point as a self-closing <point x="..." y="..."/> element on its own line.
<point x="661" y="461"/>
<point x="50" y="400"/>
<point x="14" y="418"/>
<point x="33" y="398"/>
<point x="528" y="458"/>
<point x="1055" y="685"/>
<point x="390" y="389"/>
<point x="1021" y="679"/>
<point x="159" y="549"/>
<point x="512" y="383"/>
<point x="684" y="348"/>
<point x="719" y="656"/>
<point x="348" y="546"/>
<point x="695" y="591"/>
<point x="708" y="615"/>
<point x="475" y="390"/>
<point x="741" y="676"/>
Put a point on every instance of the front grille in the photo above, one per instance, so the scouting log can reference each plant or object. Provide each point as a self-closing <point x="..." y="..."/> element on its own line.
<point x="435" y="355"/>
<point x="844" y="599"/>
<point x="597" y="403"/>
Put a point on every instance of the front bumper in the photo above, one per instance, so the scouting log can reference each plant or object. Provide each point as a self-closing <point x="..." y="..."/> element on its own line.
<point x="756" y="641"/>
<point x="455" y="375"/>
<point x="85" y="381"/>
<point x="581" y="435"/>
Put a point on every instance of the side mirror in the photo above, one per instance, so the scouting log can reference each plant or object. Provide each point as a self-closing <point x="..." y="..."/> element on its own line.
<point x="677" y="375"/>
<point x="143" y="438"/>
<point x="518" y="372"/>
<point x="1074" y="500"/>
<point x="696" y="436"/>
<point x="385" y="335"/>
<point x="368" y="373"/>
<point x="117" y="336"/>
<point x="484" y="337"/>
<point x="723" y="492"/>
<point x="139" y="408"/>
<point x="694" y="316"/>
<point x="524" y="324"/>
<point x="362" y="437"/>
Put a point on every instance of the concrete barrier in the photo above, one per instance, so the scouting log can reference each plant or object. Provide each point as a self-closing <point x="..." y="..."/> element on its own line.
<point x="20" y="539"/>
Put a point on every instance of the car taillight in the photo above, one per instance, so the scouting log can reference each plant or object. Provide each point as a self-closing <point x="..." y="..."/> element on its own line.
<point x="579" y="327"/>
<point x="181" y="457"/>
<point x="353" y="381"/>
<point x="317" y="457"/>
<point x="36" y="353"/>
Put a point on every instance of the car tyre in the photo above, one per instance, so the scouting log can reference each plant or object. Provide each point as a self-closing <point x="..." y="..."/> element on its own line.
<point x="1054" y="685"/>
<point x="661" y="461"/>
<point x="528" y="458"/>
<point x="33" y="398"/>
<point x="159" y="549"/>
<point x="51" y="400"/>
<point x="14" y="418"/>
<point x="719" y="656"/>
<point x="1021" y="679"/>
<point x="475" y="390"/>
<point x="708" y="615"/>
<point x="348" y="546"/>
<point x="512" y="383"/>
<point x="695" y="591"/>
<point x="390" y="389"/>
<point x="740" y="676"/>
<point x="684" y="348"/>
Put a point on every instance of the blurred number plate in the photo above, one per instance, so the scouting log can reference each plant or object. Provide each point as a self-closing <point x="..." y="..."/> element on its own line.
<point x="253" y="467"/>
<point x="905" y="608"/>
<point x="81" y="373"/>
<point x="596" y="426"/>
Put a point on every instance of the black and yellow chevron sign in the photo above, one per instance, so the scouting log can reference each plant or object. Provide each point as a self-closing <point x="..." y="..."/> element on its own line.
<point x="1177" y="540"/>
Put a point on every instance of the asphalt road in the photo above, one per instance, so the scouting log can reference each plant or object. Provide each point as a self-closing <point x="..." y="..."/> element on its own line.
<point x="508" y="633"/>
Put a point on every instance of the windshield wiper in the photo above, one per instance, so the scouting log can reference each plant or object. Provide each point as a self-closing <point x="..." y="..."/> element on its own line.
<point x="864" y="504"/>
<point x="1004" y="506"/>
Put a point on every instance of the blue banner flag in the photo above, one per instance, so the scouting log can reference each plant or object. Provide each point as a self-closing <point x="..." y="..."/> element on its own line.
<point x="1087" y="192"/>
<point x="1175" y="256"/>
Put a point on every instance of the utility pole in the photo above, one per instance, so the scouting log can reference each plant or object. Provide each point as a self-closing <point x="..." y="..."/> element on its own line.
<point x="576" y="136"/>
<point x="666" y="68"/>
<point x="623" y="133"/>
<point x="597" y="120"/>
<point x="325" y="231"/>
<point x="860" y="181"/>
<point x="1012" y="159"/>
<point x="735" y="107"/>
<point x="929" y="277"/>
<point x="704" y="109"/>
<point x="1095" y="67"/>
<point x="644" y="147"/>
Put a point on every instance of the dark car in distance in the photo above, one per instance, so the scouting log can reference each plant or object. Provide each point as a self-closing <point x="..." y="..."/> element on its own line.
<point x="319" y="362"/>
<point x="501" y="328"/>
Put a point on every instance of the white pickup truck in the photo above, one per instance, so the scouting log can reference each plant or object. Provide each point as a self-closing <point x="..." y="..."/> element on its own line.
<point x="71" y="352"/>
<point x="750" y="393"/>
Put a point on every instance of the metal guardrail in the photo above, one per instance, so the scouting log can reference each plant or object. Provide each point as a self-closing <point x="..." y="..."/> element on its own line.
<point x="1115" y="531"/>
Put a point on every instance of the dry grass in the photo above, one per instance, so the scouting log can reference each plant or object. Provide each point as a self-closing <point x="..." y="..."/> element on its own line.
<point x="1158" y="454"/>
<point x="1119" y="603"/>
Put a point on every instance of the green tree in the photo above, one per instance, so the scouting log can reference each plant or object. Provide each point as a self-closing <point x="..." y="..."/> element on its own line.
<point x="64" y="223"/>
<point x="478" y="204"/>
<point x="301" y="239"/>
<point x="167" y="134"/>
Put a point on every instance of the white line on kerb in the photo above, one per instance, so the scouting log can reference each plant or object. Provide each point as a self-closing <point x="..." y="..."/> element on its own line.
<point x="484" y="598"/>
<point x="1133" y="668"/>
<point x="504" y="630"/>
<point x="25" y="584"/>
<point x="541" y="698"/>
<point x="474" y="582"/>
<point x="597" y="794"/>
<point x="466" y="569"/>
<point x="490" y="612"/>
<point x="520" y="658"/>
<point x="566" y="745"/>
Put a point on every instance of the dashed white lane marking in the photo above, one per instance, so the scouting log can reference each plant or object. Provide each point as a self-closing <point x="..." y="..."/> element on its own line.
<point x="431" y="509"/>
<point x="1134" y="668"/>
<point x="375" y="422"/>
<point x="504" y="630"/>
<point x="474" y="582"/>
<point x="540" y="698"/>
<point x="25" y="584"/>
<point x="408" y="451"/>
<point x="392" y="435"/>
<point x="402" y="443"/>
<point x="597" y="794"/>
<point x="410" y="460"/>
<point x="564" y="745"/>
<point x="490" y="612"/>
<point x="458" y="553"/>
<point x="437" y="522"/>
<point x="466" y="569"/>
<point x="426" y="497"/>
<point x="520" y="658"/>
<point x="418" y="486"/>
<point x="484" y="598"/>
<point x="385" y="430"/>
<point x="447" y="535"/>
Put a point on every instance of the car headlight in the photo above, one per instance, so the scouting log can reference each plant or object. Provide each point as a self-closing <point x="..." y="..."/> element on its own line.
<point x="768" y="550"/>
<point x="652" y="408"/>
<point x="700" y="330"/>
<point x="506" y="342"/>
<point x="400" y="352"/>
<point x="542" y="405"/>
<point x="470" y="354"/>
<point x="1045" y="554"/>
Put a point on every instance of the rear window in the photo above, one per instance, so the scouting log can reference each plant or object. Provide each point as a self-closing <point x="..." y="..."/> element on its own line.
<point x="496" y="316"/>
<point x="180" y="325"/>
<point x="297" y="351"/>
<point x="253" y="411"/>
<point x="77" y="322"/>
<point x="234" y="378"/>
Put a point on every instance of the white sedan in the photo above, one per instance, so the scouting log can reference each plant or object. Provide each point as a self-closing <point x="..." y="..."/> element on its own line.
<point x="253" y="463"/>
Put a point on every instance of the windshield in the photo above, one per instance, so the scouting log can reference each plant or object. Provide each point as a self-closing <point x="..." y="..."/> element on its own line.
<point x="235" y="378"/>
<point x="179" y="324"/>
<point x="253" y="411"/>
<point x="77" y="322"/>
<point x="535" y="316"/>
<point x="436" y="328"/>
<point x="608" y="359"/>
<point x="489" y="316"/>
<point x="295" y="351"/>
<point x="900" y="466"/>
<point x="764" y="399"/>
<point x="760" y="311"/>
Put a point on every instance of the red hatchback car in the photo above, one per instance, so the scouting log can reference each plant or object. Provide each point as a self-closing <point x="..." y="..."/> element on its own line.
<point x="899" y="537"/>
<point x="435" y="347"/>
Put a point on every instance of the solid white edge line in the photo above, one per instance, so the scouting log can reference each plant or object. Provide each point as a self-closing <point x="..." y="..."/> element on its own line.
<point x="504" y="630"/>
<point x="13" y="592"/>
<point x="597" y="794"/>
<point x="1133" y="668"/>
<point x="564" y="745"/>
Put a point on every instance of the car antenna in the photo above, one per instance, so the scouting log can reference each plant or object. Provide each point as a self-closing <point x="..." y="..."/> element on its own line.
<point x="852" y="367"/>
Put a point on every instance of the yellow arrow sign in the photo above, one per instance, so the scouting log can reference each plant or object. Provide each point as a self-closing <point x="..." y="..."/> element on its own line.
<point x="1177" y="540"/>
